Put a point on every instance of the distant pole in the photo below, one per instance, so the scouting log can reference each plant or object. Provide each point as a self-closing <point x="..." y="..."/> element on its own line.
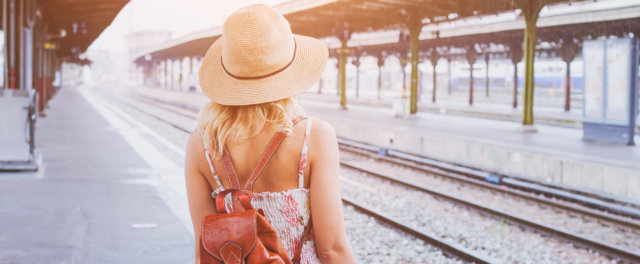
<point x="356" y="62"/>
<point x="404" y="78"/>
<point x="172" y="74"/>
<point x="338" y="75"/>
<point x="380" y="64"/>
<point x="449" y="75"/>
<point x="166" y="74"/>
<point x="515" y="52"/>
<point x="435" y="57"/>
<point x="486" y="60"/>
<point x="568" y="51"/>
<point x="471" y="84"/>
<point x="180" y="74"/>
<point x="515" y="85"/>
<point x="471" y="56"/>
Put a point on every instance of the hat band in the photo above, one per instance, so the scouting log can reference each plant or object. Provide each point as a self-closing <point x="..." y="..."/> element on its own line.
<point x="295" y="47"/>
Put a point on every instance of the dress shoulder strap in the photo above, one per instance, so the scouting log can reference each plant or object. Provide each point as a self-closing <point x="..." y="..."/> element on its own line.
<point x="213" y="170"/>
<point x="303" y="154"/>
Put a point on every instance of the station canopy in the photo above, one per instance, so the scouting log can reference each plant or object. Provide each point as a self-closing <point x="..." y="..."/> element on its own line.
<point x="321" y="18"/>
<point x="83" y="21"/>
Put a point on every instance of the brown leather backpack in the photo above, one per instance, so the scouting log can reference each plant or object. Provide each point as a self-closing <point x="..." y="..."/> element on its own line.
<point x="242" y="234"/>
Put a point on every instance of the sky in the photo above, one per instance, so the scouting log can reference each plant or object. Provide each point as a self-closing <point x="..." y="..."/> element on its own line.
<point x="180" y="17"/>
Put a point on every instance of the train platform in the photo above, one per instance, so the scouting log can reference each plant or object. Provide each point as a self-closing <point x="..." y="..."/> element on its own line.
<point x="555" y="154"/>
<point x="95" y="198"/>
<point x="495" y="107"/>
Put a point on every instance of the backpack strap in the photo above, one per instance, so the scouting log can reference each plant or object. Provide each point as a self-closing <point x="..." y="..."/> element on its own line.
<point x="230" y="170"/>
<point x="266" y="156"/>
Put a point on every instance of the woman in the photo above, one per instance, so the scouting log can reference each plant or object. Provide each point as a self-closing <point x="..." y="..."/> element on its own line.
<point x="251" y="74"/>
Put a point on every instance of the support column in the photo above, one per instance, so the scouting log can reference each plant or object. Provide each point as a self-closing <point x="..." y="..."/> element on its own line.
<point x="434" y="58"/>
<point x="344" y="34"/>
<point x="180" y="74"/>
<point x="414" y="24"/>
<point x="342" y="73"/>
<point x="172" y="73"/>
<point x="403" y="65"/>
<point x="40" y="71"/>
<point x="147" y="72"/>
<point x="338" y="73"/>
<point x="380" y="58"/>
<point x="487" y="82"/>
<point x="515" y="52"/>
<point x="13" y="27"/>
<point x="191" y="79"/>
<point x="154" y="74"/>
<point x="449" y="75"/>
<point x="43" y="83"/>
<point x="530" y="10"/>
<point x="356" y="62"/>
<point x="471" y="56"/>
<point x="166" y="74"/>
<point x="568" y="52"/>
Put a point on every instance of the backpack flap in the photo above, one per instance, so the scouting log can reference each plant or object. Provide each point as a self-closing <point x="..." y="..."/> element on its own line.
<point x="229" y="237"/>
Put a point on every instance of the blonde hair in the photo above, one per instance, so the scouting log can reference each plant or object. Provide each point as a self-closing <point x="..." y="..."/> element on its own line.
<point x="221" y="124"/>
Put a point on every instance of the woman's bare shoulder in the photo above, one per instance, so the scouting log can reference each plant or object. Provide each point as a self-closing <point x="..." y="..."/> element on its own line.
<point x="323" y="138"/>
<point x="195" y="138"/>
<point x="194" y="146"/>
<point x="322" y="129"/>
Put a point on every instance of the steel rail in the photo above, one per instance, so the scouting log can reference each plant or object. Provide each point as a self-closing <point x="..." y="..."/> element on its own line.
<point x="478" y="174"/>
<point x="515" y="192"/>
<point x="603" y="247"/>
<point x="598" y="201"/>
<point x="449" y="249"/>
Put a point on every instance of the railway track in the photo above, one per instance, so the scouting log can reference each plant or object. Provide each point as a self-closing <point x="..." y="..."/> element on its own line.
<point x="467" y="175"/>
<point x="600" y="202"/>
<point x="461" y="177"/>
<point x="512" y="219"/>
<point x="449" y="249"/>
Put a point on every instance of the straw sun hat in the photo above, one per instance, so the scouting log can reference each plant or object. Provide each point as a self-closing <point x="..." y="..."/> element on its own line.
<point x="257" y="59"/>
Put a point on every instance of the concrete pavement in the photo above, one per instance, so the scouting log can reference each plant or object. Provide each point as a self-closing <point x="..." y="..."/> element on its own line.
<point x="95" y="199"/>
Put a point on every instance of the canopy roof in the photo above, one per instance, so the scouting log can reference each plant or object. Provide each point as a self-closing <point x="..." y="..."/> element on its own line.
<point x="83" y="21"/>
<point x="320" y="18"/>
<point x="553" y="29"/>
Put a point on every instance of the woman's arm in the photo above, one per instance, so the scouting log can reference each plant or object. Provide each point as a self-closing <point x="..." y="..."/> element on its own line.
<point x="326" y="204"/>
<point x="198" y="189"/>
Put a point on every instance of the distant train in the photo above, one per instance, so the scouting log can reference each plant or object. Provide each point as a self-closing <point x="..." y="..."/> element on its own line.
<point x="548" y="74"/>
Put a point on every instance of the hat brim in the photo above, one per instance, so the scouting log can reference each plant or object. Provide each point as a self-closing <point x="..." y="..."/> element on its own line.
<point x="305" y="70"/>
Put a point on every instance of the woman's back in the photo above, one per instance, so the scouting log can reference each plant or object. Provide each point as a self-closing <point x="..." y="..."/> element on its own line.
<point x="280" y="172"/>
<point x="279" y="189"/>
